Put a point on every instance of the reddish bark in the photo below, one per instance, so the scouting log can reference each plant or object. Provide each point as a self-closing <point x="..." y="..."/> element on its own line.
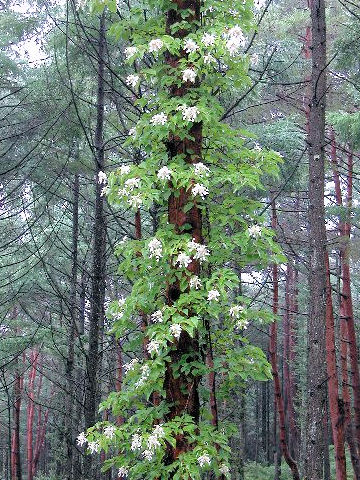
<point x="16" y="473"/>
<point x="273" y="360"/>
<point x="335" y="406"/>
<point x="30" y="413"/>
<point x="347" y="327"/>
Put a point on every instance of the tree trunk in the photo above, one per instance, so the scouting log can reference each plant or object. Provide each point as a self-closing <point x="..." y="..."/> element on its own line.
<point x="181" y="391"/>
<point x="335" y="404"/>
<point x="273" y="360"/>
<point x="316" y="369"/>
<point x="30" y="413"/>
<point x="69" y="369"/>
<point x="93" y="360"/>
<point x="16" y="473"/>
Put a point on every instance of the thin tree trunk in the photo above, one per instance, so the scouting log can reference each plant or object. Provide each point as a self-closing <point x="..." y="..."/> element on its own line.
<point x="93" y="360"/>
<point x="16" y="473"/>
<point x="316" y="365"/>
<point x="30" y="413"/>
<point x="273" y="360"/>
<point x="335" y="405"/>
<point x="69" y="369"/>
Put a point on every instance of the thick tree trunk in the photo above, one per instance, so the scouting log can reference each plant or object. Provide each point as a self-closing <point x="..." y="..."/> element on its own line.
<point x="181" y="390"/>
<point x="93" y="360"/>
<point x="316" y="366"/>
<point x="335" y="404"/>
<point x="273" y="360"/>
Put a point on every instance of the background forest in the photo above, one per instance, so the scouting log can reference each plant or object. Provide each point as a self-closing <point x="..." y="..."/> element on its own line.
<point x="69" y="101"/>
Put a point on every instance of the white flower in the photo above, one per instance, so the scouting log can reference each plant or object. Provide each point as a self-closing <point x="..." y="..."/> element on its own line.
<point x="159" y="431"/>
<point x="148" y="454"/>
<point x="125" y="169"/>
<point x="189" y="75"/>
<point x="132" y="80"/>
<point x="109" y="431"/>
<point x="176" y="330"/>
<point x="122" y="300"/>
<point x="201" y="169"/>
<point x="124" y="240"/>
<point x="132" y="132"/>
<point x="153" y="442"/>
<point x="164" y="173"/>
<point x="190" y="114"/>
<point x="145" y="372"/>
<point x="235" y="311"/>
<point x="259" y="4"/>
<point x="81" y="439"/>
<point x="201" y="251"/>
<point x="224" y="469"/>
<point x="236" y="32"/>
<point x="204" y="459"/>
<point x="153" y="346"/>
<point x="136" y="441"/>
<point x="102" y="178"/>
<point x="94" y="447"/>
<point x="159" y="119"/>
<point x="242" y="323"/>
<point x="155" y="45"/>
<point x="208" y="39"/>
<point x="183" y="260"/>
<point x="131" y="365"/>
<point x="209" y="59"/>
<point x="190" y="46"/>
<point x="123" y="472"/>
<point x="195" y="282"/>
<point x="130" y="52"/>
<point x="157" y="317"/>
<point x="155" y="249"/>
<point x="135" y="201"/>
<point x="104" y="191"/>
<point x="213" y="295"/>
<point x="233" y="45"/>
<point x="199" y="189"/>
<point x="132" y="183"/>
<point x="257" y="147"/>
<point x="254" y="231"/>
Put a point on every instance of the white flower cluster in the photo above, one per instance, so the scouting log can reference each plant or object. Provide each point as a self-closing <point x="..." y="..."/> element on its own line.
<point x="130" y="185"/>
<point x="176" y="330"/>
<point x="94" y="447"/>
<point x="259" y="4"/>
<point x="201" y="169"/>
<point x="242" y="323"/>
<point x="208" y="39"/>
<point x="235" y="311"/>
<point x="213" y="295"/>
<point x="155" y="249"/>
<point x="189" y="114"/>
<point x="224" y="469"/>
<point x="189" y="75"/>
<point x="164" y="173"/>
<point x="195" y="282"/>
<point x="157" y="317"/>
<point x="155" y="45"/>
<point x="153" y="347"/>
<point x="201" y="251"/>
<point x="159" y="119"/>
<point x="130" y="52"/>
<point x="190" y="45"/>
<point x="145" y="372"/>
<point x="235" y="40"/>
<point x="125" y="169"/>
<point x="254" y="231"/>
<point x="208" y="59"/>
<point x="123" y="472"/>
<point x="109" y="431"/>
<point x="102" y="178"/>
<point x="153" y="442"/>
<point x="199" y="190"/>
<point x="183" y="260"/>
<point x="81" y="439"/>
<point x="131" y="365"/>
<point x="204" y="459"/>
<point x="132" y="80"/>
<point x="136" y="441"/>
